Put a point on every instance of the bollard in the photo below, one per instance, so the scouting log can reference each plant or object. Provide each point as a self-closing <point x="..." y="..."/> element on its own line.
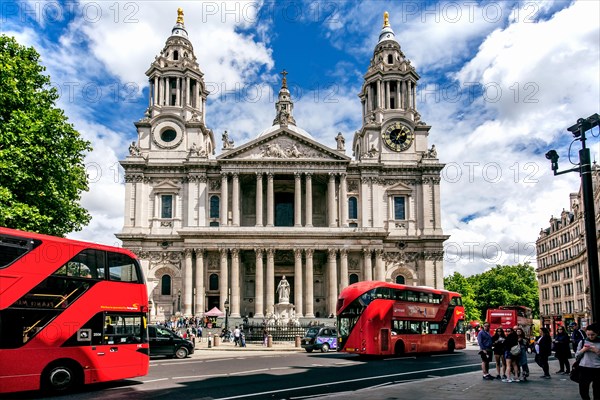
<point x="297" y="341"/>
<point x="270" y="341"/>
<point x="217" y="340"/>
<point x="209" y="340"/>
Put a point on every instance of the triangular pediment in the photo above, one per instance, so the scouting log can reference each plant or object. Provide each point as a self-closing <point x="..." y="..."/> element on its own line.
<point x="283" y="144"/>
<point x="399" y="188"/>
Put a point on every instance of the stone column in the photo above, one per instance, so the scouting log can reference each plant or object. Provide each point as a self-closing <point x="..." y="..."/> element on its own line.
<point x="223" y="279"/>
<point x="367" y="266"/>
<point x="387" y="95"/>
<point x="177" y="92"/>
<point x="365" y="214"/>
<point x="258" y="288"/>
<point x="297" y="199"/>
<point x="405" y="97"/>
<point x="187" y="90"/>
<point x="308" y="183"/>
<point x="202" y="201"/>
<point x="224" y="199"/>
<point x="343" y="201"/>
<point x="310" y="293"/>
<point x="270" y="200"/>
<point x="199" y="301"/>
<point x="379" y="266"/>
<point x="343" y="269"/>
<point x="259" y="201"/>
<point x="156" y="90"/>
<point x="298" y="290"/>
<point x="332" y="294"/>
<point x="437" y="212"/>
<point x="270" y="280"/>
<point x="236" y="199"/>
<point x="331" y="209"/>
<point x="235" y="283"/>
<point x="188" y="291"/>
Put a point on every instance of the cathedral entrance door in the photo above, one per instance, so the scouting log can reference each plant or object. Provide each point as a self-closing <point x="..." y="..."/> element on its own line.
<point x="284" y="209"/>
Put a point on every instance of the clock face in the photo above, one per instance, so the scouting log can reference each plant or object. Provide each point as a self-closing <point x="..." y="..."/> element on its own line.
<point x="398" y="137"/>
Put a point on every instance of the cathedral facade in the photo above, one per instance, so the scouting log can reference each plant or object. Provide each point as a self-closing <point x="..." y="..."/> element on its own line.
<point x="217" y="229"/>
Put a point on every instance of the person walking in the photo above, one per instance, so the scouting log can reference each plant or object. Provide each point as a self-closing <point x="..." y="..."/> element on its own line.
<point x="577" y="335"/>
<point x="512" y="370"/>
<point x="484" y="339"/>
<point x="498" y="349"/>
<point x="562" y="351"/>
<point x="236" y="336"/>
<point x="522" y="359"/>
<point x="543" y="350"/>
<point x="588" y="352"/>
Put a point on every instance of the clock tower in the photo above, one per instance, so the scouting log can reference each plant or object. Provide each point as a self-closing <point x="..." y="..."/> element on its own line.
<point x="392" y="129"/>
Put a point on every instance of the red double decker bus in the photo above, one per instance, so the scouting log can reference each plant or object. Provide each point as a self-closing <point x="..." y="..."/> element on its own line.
<point x="71" y="313"/>
<point x="380" y="318"/>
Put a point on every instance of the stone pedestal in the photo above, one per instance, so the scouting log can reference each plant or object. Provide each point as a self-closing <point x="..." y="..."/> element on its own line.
<point x="284" y="312"/>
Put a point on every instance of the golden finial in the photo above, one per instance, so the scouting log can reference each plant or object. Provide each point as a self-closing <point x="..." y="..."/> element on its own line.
<point x="180" y="16"/>
<point x="386" y="19"/>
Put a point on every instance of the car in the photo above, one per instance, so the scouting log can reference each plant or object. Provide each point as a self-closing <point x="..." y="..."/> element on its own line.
<point x="164" y="342"/>
<point x="321" y="338"/>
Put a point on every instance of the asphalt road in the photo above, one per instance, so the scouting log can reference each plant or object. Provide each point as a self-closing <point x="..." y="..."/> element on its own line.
<point x="285" y="375"/>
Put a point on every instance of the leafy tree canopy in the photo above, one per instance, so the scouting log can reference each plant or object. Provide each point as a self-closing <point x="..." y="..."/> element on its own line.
<point x="503" y="285"/>
<point x="460" y="284"/>
<point x="42" y="174"/>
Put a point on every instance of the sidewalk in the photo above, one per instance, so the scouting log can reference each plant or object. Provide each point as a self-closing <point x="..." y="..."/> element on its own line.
<point x="455" y="387"/>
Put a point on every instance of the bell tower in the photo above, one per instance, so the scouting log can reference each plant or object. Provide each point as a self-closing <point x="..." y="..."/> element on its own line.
<point x="392" y="129"/>
<point x="174" y="124"/>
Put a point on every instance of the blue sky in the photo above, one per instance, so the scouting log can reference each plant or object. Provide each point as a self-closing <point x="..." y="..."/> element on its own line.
<point x="500" y="83"/>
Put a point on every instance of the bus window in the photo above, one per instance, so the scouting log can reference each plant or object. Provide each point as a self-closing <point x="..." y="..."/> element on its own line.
<point x="411" y="296"/>
<point x="434" y="328"/>
<point x="87" y="264"/>
<point x="12" y="248"/>
<point x="423" y="298"/>
<point x="122" y="268"/>
<point x="399" y="294"/>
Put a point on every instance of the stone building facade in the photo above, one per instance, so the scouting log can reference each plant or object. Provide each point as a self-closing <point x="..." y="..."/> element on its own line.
<point x="213" y="227"/>
<point x="562" y="266"/>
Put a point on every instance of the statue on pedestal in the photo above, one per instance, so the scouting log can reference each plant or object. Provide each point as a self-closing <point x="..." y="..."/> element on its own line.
<point x="283" y="289"/>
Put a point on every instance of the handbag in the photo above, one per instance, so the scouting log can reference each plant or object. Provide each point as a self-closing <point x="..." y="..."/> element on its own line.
<point x="515" y="350"/>
<point x="575" y="373"/>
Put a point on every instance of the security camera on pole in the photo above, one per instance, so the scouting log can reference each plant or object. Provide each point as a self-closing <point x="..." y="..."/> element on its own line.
<point x="585" y="170"/>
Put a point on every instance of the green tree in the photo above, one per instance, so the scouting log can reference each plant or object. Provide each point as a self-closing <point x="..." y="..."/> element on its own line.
<point x="506" y="285"/>
<point x="460" y="284"/>
<point x="42" y="174"/>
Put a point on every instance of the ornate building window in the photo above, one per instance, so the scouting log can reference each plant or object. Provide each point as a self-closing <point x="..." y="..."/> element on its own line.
<point x="165" y="285"/>
<point x="400" y="280"/>
<point x="166" y="206"/>
<point x="352" y="208"/>
<point x="213" y="282"/>
<point x="353" y="278"/>
<point x="399" y="207"/>
<point x="214" y="207"/>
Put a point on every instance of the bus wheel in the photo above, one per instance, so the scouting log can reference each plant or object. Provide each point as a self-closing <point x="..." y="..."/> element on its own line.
<point x="61" y="376"/>
<point x="451" y="346"/>
<point x="399" y="348"/>
<point x="181" y="353"/>
<point x="325" y="348"/>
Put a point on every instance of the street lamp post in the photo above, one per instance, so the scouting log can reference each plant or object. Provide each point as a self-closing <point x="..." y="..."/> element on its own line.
<point x="226" y="314"/>
<point x="179" y="300"/>
<point x="585" y="170"/>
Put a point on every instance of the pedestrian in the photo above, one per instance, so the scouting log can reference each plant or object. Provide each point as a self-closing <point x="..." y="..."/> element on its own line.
<point x="265" y="336"/>
<point x="236" y="336"/>
<point x="522" y="361"/>
<point x="200" y="333"/>
<point x="242" y="339"/>
<point x="498" y="349"/>
<point x="577" y="335"/>
<point x="588" y="352"/>
<point x="484" y="339"/>
<point x="562" y="350"/>
<point x="512" y="369"/>
<point x="543" y="350"/>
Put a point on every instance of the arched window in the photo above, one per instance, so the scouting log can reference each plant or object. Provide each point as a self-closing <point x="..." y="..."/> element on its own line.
<point x="175" y="55"/>
<point x="352" y="208"/>
<point x="213" y="282"/>
<point x="353" y="278"/>
<point x="214" y="207"/>
<point x="390" y="59"/>
<point x="165" y="285"/>
<point x="400" y="280"/>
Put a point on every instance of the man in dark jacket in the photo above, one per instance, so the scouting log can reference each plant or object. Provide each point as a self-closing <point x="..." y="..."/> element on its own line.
<point x="484" y="339"/>
<point x="577" y="335"/>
